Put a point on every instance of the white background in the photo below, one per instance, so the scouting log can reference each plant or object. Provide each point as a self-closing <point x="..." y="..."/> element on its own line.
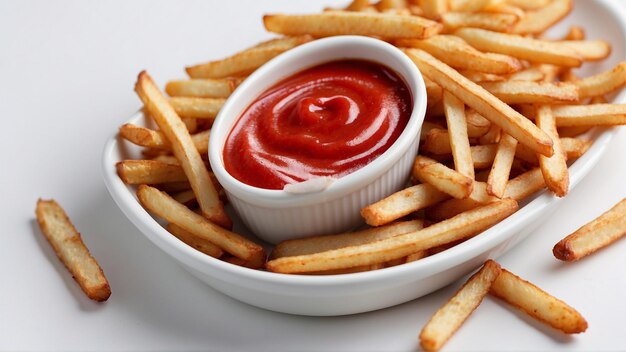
<point x="67" y="71"/>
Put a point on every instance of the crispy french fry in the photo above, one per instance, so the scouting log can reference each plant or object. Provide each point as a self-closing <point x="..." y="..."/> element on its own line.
<point x="499" y="7"/>
<point x="164" y="206"/>
<point x="528" y="4"/>
<point x="452" y="207"/>
<point x="455" y="52"/>
<point x="433" y="9"/>
<point x="449" y="318"/>
<point x="477" y="125"/>
<point x="184" y="149"/>
<point x="433" y="91"/>
<point x="197" y="108"/>
<point x="354" y="23"/>
<point x="479" y="77"/>
<point x="201" y="244"/>
<point x="136" y="172"/>
<point x="155" y="139"/>
<point x="535" y="22"/>
<point x="588" y="50"/>
<point x="416" y="256"/>
<point x="497" y="22"/>
<point x="203" y="88"/>
<point x="462" y="226"/>
<point x="483" y="102"/>
<point x="604" y="82"/>
<point x="437" y="141"/>
<point x="244" y="62"/>
<point x="402" y="203"/>
<point x="428" y="126"/>
<point x="69" y="247"/>
<point x="492" y="136"/>
<point x="501" y="168"/>
<point x="483" y="155"/>
<point x="457" y="130"/>
<point x="358" y="5"/>
<point x="185" y="197"/>
<point x="384" y="5"/>
<point x="574" y="148"/>
<point x="537" y="303"/>
<point x="442" y="178"/>
<point x="355" y="269"/>
<point x="469" y="5"/>
<point x="316" y="244"/>
<point x="533" y="50"/>
<point x="553" y="168"/>
<point x="532" y="73"/>
<point x="525" y="184"/>
<point x="168" y="159"/>
<point x="590" y="115"/>
<point x="521" y="92"/>
<point x="595" y="235"/>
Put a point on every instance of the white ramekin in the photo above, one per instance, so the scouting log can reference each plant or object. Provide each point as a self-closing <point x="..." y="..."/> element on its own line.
<point x="275" y="215"/>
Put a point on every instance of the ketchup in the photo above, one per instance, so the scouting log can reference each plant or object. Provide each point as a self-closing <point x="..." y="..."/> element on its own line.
<point x="329" y="120"/>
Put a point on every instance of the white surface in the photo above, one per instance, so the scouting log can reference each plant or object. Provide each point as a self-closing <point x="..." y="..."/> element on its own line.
<point x="67" y="74"/>
<point x="276" y="215"/>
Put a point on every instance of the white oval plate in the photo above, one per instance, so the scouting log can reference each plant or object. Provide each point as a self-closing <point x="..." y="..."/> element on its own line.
<point x="362" y="292"/>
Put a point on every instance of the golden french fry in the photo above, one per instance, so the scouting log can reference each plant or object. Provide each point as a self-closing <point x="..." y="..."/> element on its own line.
<point x="289" y="41"/>
<point x="433" y="91"/>
<point x="483" y="155"/>
<point x="447" y="320"/>
<point x="402" y="203"/>
<point x="499" y="7"/>
<point x="525" y="184"/>
<point x="590" y="115"/>
<point x="184" y="149"/>
<point x="575" y="33"/>
<point x="198" y="243"/>
<point x="535" y="22"/>
<point x="588" y="50"/>
<point x="532" y="73"/>
<point x="202" y="88"/>
<point x="477" y="125"/>
<point x="442" y="178"/>
<point x="501" y="168"/>
<point x="469" y="5"/>
<point x="355" y="269"/>
<point x="384" y="5"/>
<point x="136" y="172"/>
<point x="316" y="244"/>
<point x="483" y="102"/>
<point x="521" y="92"/>
<point x="597" y="234"/>
<point x="416" y="256"/>
<point x="358" y="5"/>
<point x="574" y="148"/>
<point x="459" y="227"/>
<point x="428" y="126"/>
<point x="155" y="139"/>
<point x="197" y="108"/>
<point x="69" y="247"/>
<point x="528" y="4"/>
<point x="452" y="207"/>
<point x="437" y="141"/>
<point x="537" y="303"/>
<point x="457" y="130"/>
<point x="604" y="82"/>
<point x="492" y="136"/>
<point x="433" y="9"/>
<point x="244" y="62"/>
<point x="553" y="168"/>
<point x="353" y="23"/>
<point x="164" y="206"/>
<point x="188" y="198"/>
<point x="497" y="22"/>
<point x="533" y="50"/>
<point x="168" y="159"/>
<point x="455" y="52"/>
<point x="478" y="77"/>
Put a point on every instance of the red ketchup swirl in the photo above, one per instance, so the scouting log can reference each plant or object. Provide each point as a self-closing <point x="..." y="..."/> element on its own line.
<point x="328" y="120"/>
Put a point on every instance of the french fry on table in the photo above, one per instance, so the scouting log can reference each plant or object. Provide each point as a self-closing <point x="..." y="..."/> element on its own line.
<point x="69" y="247"/>
<point x="595" y="235"/>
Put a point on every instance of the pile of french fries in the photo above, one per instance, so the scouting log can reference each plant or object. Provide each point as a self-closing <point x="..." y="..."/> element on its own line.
<point x="505" y="115"/>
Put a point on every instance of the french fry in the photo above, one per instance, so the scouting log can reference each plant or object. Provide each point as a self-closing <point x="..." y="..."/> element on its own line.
<point x="525" y="184"/>
<point x="428" y="126"/>
<point x="537" y="21"/>
<point x="492" y="136"/>
<point x="501" y="168"/>
<point x="244" y="62"/>
<point x="437" y="141"/>
<point x="433" y="91"/>
<point x="469" y="5"/>
<point x="588" y="50"/>
<point x="185" y="197"/>
<point x="553" y="168"/>
<point x="358" y="5"/>
<point x="457" y="129"/>
<point x="449" y="318"/>
<point x="528" y="4"/>
<point x="533" y="50"/>
<point x="416" y="256"/>
<point x="595" y="235"/>
<point x="497" y="22"/>
<point x="316" y="244"/>
<point x="532" y="73"/>
<point x="604" y="82"/>
<point x="168" y="159"/>
<point x="457" y="53"/>
<point x="402" y="203"/>
<point x="69" y="247"/>
<point x="477" y="125"/>
<point x="202" y="88"/>
<point x="459" y="227"/>
<point x="197" y="108"/>
<point x="483" y="155"/>
<point x="433" y="9"/>
<point x="452" y="207"/>
<point x="442" y="178"/>
<point x="499" y="7"/>
<point x="590" y="115"/>
<point x="353" y="23"/>
<point x="137" y="172"/>
<point x="384" y="5"/>
<point x="483" y="102"/>
<point x="537" y="303"/>
<point x="478" y="77"/>
<point x="522" y="92"/>
<point x="184" y="149"/>
<point x="155" y="139"/>
<point x="164" y="206"/>
<point x="575" y="33"/>
<point x="574" y="148"/>
<point x="198" y="243"/>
